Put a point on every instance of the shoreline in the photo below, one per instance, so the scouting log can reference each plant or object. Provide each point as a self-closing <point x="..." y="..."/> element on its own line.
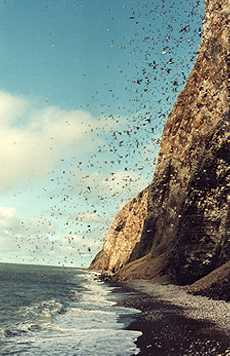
<point x="175" y="323"/>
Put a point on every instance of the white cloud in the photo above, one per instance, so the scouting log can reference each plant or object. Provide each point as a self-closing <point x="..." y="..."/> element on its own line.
<point x="35" y="240"/>
<point x="7" y="213"/>
<point x="11" y="107"/>
<point x="9" y="221"/>
<point x="33" y="140"/>
<point x="11" y="227"/>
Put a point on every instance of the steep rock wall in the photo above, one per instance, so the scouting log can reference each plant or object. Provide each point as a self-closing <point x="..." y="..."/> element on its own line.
<point x="124" y="233"/>
<point x="202" y="242"/>
<point x="192" y="137"/>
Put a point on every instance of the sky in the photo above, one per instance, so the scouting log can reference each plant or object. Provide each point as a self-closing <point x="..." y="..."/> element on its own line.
<point x="85" y="89"/>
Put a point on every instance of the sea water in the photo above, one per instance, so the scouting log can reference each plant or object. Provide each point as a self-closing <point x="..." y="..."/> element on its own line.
<point x="61" y="311"/>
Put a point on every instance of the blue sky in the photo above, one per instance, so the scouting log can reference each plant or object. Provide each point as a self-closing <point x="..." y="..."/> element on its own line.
<point x="85" y="89"/>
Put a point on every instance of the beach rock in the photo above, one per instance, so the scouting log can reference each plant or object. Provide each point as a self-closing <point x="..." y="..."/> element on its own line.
<point x="185" y="229"/>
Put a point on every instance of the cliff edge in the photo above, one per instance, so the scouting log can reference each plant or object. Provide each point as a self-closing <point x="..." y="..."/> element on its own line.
<point x="179" y="226"/>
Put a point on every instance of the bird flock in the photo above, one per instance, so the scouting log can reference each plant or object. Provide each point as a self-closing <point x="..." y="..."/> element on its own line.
<point x="85" y="194"/>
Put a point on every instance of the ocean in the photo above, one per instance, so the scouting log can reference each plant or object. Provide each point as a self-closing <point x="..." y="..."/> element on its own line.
<point x="61" y="311"/>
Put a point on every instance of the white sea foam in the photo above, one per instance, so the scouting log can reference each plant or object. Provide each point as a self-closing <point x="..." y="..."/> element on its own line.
<point x="42" y="314"/>
<point x="88" y="342"/>
<point x="46" y="308"/>
<point x="88" y="325"/>
<point x="2" y="334"/>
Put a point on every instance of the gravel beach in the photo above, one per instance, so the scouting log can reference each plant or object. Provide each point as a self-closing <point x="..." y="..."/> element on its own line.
<point x="175" y="323"/>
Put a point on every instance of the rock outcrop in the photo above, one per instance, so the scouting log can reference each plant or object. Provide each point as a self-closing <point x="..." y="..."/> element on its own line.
<point x="181" y="224"/>
<point x="123" y="235"/>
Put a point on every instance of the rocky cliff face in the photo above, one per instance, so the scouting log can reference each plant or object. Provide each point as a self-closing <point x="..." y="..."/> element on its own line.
<point x="179" y="226"/>
<point x="123" y="235"/>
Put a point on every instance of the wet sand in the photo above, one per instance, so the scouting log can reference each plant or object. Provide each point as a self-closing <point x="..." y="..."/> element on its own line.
<point x="175" y="323"/>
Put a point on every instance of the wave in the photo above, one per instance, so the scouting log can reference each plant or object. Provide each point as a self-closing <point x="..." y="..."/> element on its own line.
<point x="79" y="319"/>
<point x="37" y="316"/>
<point x="42" y="309"/>
<point x="4" y="333"/>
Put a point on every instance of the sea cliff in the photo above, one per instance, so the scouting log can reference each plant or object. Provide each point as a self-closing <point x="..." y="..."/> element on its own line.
<point x="178" y="228"/>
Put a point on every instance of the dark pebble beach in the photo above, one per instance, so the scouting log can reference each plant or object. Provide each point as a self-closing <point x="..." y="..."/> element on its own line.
<point x="175" y="323"/>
